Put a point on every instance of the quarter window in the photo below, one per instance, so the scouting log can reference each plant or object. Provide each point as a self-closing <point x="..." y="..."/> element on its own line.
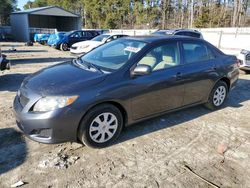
<point x="190" y="34"/>
<point x="162" y="57"/>
<point x="195" y="52"/>
<point x="89" y="34"/>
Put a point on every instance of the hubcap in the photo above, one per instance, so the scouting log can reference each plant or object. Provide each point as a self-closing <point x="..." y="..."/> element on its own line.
<point x="65" y="47"/>
<point x="219" y="95"/>
<point x="103" y="127"/>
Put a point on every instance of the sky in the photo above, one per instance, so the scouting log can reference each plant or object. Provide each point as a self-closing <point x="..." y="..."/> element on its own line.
<point x="21" y="3"/>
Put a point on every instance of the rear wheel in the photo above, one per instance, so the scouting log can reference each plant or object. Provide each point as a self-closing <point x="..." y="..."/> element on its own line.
<point x="217" y="96"/>
<point x="64" y="47"/>
<point x="101" y="126"/>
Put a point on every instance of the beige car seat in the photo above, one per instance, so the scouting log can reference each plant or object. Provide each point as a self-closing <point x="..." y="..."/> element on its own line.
<point x="148" y="60"/>
<point x="168" y="59"/>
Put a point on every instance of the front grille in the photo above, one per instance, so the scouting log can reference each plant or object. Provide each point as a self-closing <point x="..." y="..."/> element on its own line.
<point x="248" y="59"/>
<point x="73" y="47"/>
<point x="23" y="100"/>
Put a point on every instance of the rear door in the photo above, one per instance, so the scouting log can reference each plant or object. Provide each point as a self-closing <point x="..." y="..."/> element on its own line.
<point x="199" y="71"/>
<point x="88" y="35"/>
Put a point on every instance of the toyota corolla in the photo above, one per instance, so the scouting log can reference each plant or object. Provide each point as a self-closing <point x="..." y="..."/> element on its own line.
<point x="92" y="98"/>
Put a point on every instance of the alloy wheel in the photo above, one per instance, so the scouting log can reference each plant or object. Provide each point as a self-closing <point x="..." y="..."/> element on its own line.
<point x="219" y="95"/>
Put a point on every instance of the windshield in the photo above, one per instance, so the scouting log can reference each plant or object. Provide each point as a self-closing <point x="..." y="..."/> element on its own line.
<point x="113" y="55"/>
<point x="68" y="33"/>
<point x="101" y="38"/>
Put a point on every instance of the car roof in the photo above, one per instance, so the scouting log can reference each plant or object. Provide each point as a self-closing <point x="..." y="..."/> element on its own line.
<point x="177" y="30"/>
<point x="82" y="30"/>
<point x="158" y="38"/>
<point x="112" y="34"/>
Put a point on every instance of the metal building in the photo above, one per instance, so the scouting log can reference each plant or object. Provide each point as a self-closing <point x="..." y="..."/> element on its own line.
<point x="51" y="17"/>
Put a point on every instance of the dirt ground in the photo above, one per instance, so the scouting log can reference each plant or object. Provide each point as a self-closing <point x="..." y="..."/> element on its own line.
<point x="155" y="153"/>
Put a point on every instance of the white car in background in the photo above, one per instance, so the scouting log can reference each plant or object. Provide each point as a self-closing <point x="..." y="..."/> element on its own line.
<point x="86" y="46"/>
<point x="244" y="58"/>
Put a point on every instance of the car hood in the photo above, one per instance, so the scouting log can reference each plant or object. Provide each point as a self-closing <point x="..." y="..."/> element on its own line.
<point x="87" y="43"/>
<point x="61" y="79"/>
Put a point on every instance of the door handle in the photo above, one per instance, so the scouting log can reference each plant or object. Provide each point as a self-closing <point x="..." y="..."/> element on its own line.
<point x="178" y="76"/>
<point x="214" y="67"/>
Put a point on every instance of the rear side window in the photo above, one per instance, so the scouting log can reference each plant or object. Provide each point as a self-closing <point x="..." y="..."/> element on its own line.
<point x="190" y="34"/>
<point x="196" y="52"/>
<point x="89" y="34"/>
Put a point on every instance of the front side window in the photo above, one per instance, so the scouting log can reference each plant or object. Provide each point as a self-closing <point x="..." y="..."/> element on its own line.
<point x="113" y="55"/>
<point x="196" y="52"/>
<point x="77" y="34"/>
<point x="162" y="57"/>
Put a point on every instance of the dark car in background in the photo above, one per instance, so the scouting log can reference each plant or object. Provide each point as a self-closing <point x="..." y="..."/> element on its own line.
<point x="183" y="32"/>
<point x="91" y="98"/>
<point x="72" y="37"/>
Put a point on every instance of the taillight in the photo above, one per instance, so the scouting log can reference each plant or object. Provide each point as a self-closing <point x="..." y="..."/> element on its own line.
<point x="238" y="63"/>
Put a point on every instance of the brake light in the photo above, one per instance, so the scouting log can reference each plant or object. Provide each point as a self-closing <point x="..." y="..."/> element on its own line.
<point x="238" y="63"/>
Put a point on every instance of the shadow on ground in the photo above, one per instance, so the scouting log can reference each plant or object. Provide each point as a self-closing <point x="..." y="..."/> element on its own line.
<point x="11" y="82"/>
<point x="235" y="99"/>
<point x="6" y="52"/>
<point x="12" y="45"/>
<point x="12" y="149"/>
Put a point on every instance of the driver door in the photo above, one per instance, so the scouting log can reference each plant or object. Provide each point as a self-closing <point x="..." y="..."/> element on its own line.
<point x="162" y="90"/>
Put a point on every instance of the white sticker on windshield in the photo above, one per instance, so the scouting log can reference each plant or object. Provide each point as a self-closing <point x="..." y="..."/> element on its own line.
<point x="132" y="49"/>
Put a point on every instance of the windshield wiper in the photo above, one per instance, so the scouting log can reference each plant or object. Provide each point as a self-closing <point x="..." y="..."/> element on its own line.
<point x="90" y="65"/>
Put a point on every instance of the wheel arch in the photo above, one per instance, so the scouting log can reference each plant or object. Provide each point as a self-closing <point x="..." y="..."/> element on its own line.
<point x="226" y="80"/>
<point x="114" y="103"/>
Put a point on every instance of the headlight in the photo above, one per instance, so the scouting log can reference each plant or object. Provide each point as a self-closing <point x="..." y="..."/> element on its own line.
<point x="244" y="52"/>
<point x="51" y="103"/>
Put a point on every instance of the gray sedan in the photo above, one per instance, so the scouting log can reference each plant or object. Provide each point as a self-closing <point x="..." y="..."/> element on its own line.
<point x="119" y="83"/>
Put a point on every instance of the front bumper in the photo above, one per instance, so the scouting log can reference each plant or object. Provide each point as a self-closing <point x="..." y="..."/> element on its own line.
<point x="76" y="51"/>
<point x="244" y="61"/>
<point x="245" y="67"/>
<point x="50" y="127"/>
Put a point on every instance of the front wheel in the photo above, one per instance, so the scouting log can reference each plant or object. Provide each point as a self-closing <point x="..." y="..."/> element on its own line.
<point x="217" y="96"/>
<point x="101" y="126"/>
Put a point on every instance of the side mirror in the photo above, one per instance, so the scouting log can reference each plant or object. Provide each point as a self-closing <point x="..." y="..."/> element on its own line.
<point x="141" y="70"/>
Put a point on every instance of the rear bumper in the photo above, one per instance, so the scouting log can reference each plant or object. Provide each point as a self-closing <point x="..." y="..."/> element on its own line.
<point x="50" y="127"/>
<point x="234" y="78"/>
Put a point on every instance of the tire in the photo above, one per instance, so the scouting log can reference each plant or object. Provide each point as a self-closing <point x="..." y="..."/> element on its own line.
<point x="247" y="71"/>
<point x="221" y="91"/>
<point x="93" y="133"/>
<point x="64" y="47"/>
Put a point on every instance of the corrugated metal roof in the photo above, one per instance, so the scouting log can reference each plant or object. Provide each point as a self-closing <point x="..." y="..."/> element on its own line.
<point x="49" y="11"/>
